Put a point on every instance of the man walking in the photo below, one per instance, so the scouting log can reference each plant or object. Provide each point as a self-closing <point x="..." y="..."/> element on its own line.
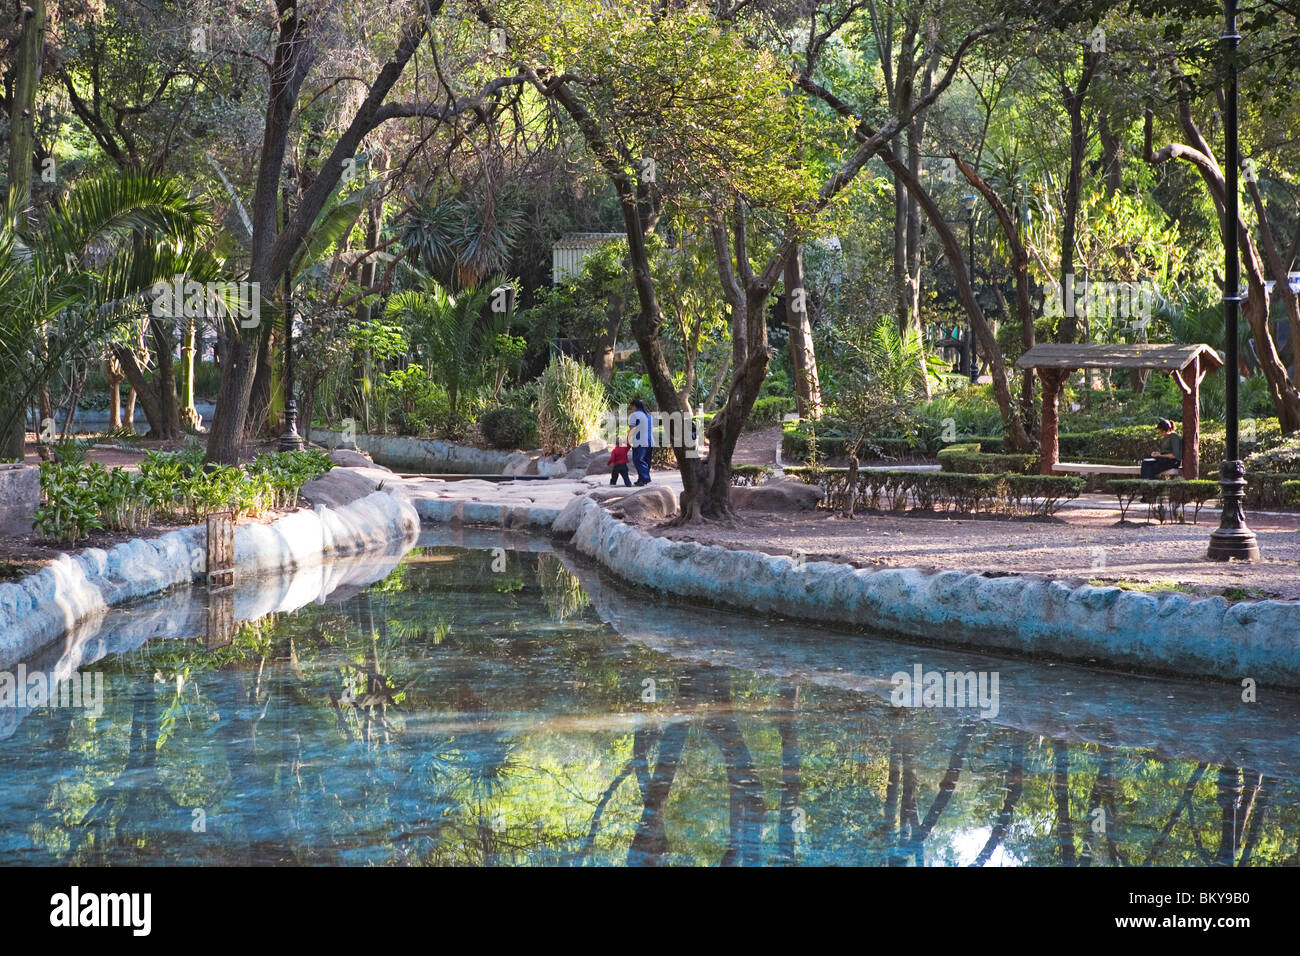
<point x="640" y="435"/>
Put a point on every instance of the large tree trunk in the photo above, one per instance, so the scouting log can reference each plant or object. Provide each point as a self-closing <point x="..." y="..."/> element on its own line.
<point x="259" y="400"/>
<point x="807" y="387"/>
<point x="147" y="397"/>
<point x="115" y="377"/>
<point x="22" y="144"/>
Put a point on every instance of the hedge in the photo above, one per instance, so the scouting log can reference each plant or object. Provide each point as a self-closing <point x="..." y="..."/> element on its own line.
<point x="1160" y="494"/>
<point x="970" y="460"/>
<point x="769" y="410"/>
<point x="1268" y="491"/>
<point x="750" y="474"/>
<point x="1291" y="493"/>
<point x="894" y="490"/>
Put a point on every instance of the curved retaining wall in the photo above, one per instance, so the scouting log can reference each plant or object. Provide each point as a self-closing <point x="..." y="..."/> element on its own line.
<point x="43" y="606"/>
<point x="425" y="454"/>
<point x="1169" y="633"/>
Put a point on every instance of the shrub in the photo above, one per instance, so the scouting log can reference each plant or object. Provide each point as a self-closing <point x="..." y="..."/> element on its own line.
<point x="750" y="474"/>
<point x="1163" y="497"/>
<point x="70" y="507"/>
<point x="1291" y="494"/>
<point x="798" y="438"/>
<point x="968" y="459"/>
<point x="418" y="403"/>
<point x="571" y="406"/>
<point x="894" y="490"/>
<point x="1265" y="490"/>
<point x="505" y="427"/>
<point x="1042" y="494"/>
<point x="769" y="410"/>
<point x="1282" y="458"/>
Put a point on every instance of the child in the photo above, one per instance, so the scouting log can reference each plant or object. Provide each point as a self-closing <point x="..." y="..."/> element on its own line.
<point x="618" y="461"/>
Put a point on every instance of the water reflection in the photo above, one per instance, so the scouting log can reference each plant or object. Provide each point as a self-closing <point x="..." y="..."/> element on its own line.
<point x="451" y="713"/>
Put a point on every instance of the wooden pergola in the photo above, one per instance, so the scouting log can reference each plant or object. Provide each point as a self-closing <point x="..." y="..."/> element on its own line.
<point x="1187" y="364"/>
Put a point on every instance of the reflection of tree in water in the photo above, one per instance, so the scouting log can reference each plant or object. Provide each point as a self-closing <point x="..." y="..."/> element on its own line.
<point x="562" y="592"/>
<point x="334" y="736"/>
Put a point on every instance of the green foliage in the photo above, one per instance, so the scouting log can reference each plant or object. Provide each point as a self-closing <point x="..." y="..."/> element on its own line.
<point x="746" y="475"/>
<point x="1280" y="458"/>
<point x="769" y="411"/>
<point x="969" y="411"/>
<point x="79" y="498"/>
<point x="880" y="374"/>
<point x="466" y="346"/>
<point x="1291" y="494"/>
<point x="1264" y="490"/>
<point x="417" y="403"/>
<point x="506" y="427"/>
<point x="571" y="405"/>
<point x="53" y="303"/>
<point x="69" y="509"/>
<point x="968" y="458"/>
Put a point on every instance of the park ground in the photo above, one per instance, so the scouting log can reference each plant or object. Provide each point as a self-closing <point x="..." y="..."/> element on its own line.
<point x="1085" y="542"/>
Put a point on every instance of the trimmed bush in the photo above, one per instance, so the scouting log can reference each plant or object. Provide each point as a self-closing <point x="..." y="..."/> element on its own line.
<point x="769" y="410"/>
<point x="571" y="406"/>
<point x="968" y="459"/>
<point x="895" y="490"/>
<point x="750" y="474"/>
<point x="1265" y="490"/>
<point x="504" y="427"/>
<point x="1043" y="494"/>
<point x="1291" y="494"/>
<point x="1283" y="458"/>
<point x="1163" y="498"/>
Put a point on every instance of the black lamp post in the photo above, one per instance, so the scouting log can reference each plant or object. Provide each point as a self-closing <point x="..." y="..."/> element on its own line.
<point x="1232" y="539"/>
<point x="969" y="353"/>
<point x="290" y="440"/>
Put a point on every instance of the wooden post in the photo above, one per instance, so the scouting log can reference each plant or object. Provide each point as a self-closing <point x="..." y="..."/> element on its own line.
<point x="1048" y="451"/>
<point x="1191" y="381"/>
<point x="221" y="550"/>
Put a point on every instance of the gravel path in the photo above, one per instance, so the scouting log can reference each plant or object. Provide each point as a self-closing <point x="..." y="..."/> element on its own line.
<point x="1083" y="543"/>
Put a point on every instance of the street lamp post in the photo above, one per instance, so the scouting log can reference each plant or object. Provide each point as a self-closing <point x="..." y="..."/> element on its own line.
<point x="969" y="353"/>
<point x="1232" y="539"/>
<point x="290" y="440"/>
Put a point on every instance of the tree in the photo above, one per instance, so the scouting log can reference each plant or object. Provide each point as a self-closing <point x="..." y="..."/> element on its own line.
<point x="275" y="244"/>
<point x="68" y="284"/>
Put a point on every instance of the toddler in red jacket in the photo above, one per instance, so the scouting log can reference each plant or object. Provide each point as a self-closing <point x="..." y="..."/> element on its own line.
<point x="618" y="465"/>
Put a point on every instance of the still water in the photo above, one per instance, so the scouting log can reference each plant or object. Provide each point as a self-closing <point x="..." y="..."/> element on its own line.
<point x="466" y="705"/>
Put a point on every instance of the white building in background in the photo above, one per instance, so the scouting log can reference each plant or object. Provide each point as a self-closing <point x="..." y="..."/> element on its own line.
<point x="572" y="249"/>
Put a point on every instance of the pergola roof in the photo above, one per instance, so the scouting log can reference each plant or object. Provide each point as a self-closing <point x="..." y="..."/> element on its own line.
<point x="1162" y="358"/>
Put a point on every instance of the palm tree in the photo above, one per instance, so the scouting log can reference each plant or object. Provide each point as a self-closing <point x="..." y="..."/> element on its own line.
<point x="69" y="281"/>
<point x="456" y="334"/>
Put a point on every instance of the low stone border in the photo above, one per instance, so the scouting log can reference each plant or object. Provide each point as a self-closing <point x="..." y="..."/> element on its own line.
<point x="428" y="454"/>
<point x="43" y="606"/>
<point x="1168" y="634"/>
<point x="454" y="511"/>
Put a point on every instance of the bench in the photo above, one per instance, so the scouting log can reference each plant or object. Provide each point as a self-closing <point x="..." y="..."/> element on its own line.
<point x="1085" y="468"/>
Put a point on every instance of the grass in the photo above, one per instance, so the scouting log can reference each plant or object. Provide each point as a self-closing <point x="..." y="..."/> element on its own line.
<point x="1146" y="587"/>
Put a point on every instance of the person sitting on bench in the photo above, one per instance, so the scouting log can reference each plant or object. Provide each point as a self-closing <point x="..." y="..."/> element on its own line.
<point x="1168" y="454"/>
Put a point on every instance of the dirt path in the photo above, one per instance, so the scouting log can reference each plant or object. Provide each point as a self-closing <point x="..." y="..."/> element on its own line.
<point x="758" y="447"/>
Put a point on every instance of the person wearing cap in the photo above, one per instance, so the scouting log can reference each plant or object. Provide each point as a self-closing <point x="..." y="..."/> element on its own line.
<point x="1168" y="453"/>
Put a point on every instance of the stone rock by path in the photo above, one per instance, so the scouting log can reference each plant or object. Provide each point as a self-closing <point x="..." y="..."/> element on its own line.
<point x="353" y="459"/>
<point x="651" y="503"/>
<point x="344" y="485"/>
<point x="784" y="495"/>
